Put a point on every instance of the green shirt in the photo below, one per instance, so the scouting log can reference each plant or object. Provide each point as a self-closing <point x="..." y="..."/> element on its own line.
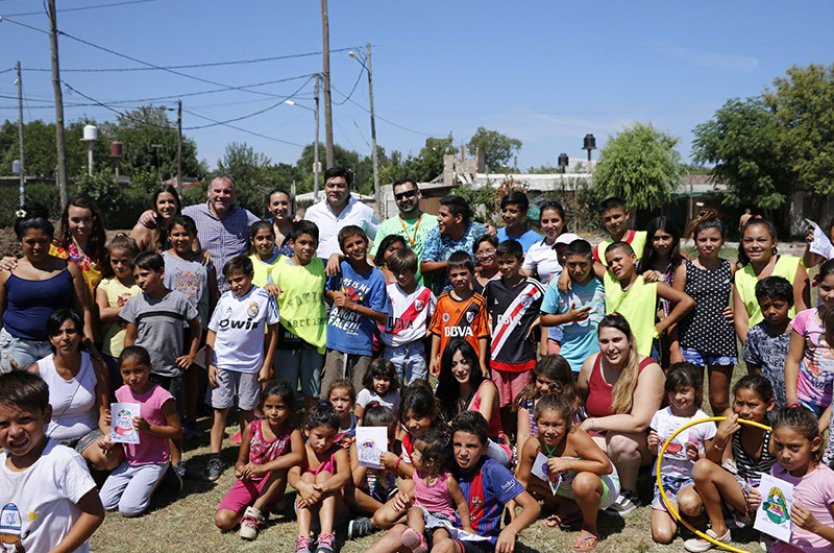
<point x="413" y="230"/>
<point x="637" y="306"/>
<point x="301" y="303"/>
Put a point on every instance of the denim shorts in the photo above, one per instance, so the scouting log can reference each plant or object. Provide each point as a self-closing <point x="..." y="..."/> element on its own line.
<point x="671" y="485"/>
<point x="22" y="352"/>
<point x="83" y="442"/>
<point x="705" y="359"/>
<point x="409" y="360"/>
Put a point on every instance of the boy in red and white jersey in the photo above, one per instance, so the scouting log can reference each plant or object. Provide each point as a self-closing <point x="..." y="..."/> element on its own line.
<point x="514" y="302"/>
<point x="410" y="309"/>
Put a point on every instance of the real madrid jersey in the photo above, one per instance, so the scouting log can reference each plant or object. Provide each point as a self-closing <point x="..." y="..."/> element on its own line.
<point x="239" y="324"/>
<point x="513" y="311"/>
<point x="408" y="315"/>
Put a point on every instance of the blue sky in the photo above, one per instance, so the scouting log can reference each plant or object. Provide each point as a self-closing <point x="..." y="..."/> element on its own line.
<point x="542" y="71"/>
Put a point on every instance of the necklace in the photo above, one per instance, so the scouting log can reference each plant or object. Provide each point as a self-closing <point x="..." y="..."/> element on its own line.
<point x="549" y="451"/>
<point x="412" y="239"/>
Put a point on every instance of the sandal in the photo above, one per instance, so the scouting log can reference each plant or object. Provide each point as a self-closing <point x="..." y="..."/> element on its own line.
<point x="552" y="521"/>
<point x="586" y="541"/>
<point x="562" y="521"/>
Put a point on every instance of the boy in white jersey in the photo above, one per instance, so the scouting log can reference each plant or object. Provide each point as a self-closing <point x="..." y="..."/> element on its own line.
<point x="234" y="348"/>
<point x="410" y="309"/>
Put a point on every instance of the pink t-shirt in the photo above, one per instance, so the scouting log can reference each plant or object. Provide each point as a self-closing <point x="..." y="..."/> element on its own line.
<point x="436" y="498"/>
<point x="816" y="370"/>
<point x="152" y="450"/>
<point x="815" y="491"/>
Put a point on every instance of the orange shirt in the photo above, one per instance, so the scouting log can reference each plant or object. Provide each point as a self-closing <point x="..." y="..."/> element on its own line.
<point x="460" y="319"/>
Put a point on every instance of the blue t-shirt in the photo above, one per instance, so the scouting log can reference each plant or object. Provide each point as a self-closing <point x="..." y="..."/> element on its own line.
<point x="579" y="339"/>
<point x="526" y="239"/>
<point x="487" y="489"/>
<point x="769" y="352"/>
<point x="348" y="331"/>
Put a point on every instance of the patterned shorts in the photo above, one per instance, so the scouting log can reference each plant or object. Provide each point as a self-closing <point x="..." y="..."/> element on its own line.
<point x="704" y="358"/>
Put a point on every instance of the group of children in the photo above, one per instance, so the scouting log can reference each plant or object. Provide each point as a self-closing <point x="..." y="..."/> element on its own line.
<point x="360" y="343"/>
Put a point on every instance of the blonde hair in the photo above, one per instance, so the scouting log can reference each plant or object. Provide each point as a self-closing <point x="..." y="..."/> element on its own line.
<point x="622" y="395"/>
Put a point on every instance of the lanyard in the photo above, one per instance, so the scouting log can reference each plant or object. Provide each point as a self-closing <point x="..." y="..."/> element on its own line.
<point x="411" y="239"/>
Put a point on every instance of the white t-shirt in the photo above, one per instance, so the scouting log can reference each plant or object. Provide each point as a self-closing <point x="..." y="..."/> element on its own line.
<point x="39" y="503"/>
<point x="391" y="399"/>
<point x="73" y="401"/>
<point x="408" y="315"/>
<point x="239" y="324"/>
<point x="675" y="462"/>
<point x="542" y="259"/>
<point x="354" y="213"/>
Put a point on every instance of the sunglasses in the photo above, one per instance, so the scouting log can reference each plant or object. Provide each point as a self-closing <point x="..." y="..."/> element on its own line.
<point x="403" y="195"/>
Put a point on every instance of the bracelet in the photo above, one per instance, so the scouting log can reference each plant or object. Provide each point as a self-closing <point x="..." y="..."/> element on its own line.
<point x="717" y="447"/>
<point x="397" y="463"/>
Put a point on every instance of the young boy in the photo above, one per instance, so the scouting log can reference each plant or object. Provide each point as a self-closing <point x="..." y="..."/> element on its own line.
<point x="302" y="335"/>
<point x="410" y="307"/>
<point x="766" y="346"/>
<point x="48" y="499"/>
<point x="487" y="486"/>
<point x="235" y="351"/>
<point x="635" y="298"/>
<point x="615" y="218"/>
<point x="514" y="302"/>
<point x="155" y="321"/>
<point x="359" y="303"/>
<point x="578" y="311"/>
<point x="460" y="313"/>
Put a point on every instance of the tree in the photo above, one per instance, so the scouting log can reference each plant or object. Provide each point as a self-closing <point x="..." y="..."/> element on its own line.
<point x="803" y="105"/>
<point x="428" y="163"/>
<point x="252" y="172"/>
<point x="639" y="165"/>
<point x="740" y="141"/>
<point x="499" y="149"/>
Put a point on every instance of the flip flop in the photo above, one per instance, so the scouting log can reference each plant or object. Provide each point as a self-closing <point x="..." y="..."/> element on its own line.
<point x="562" y="521"/>
<point x="586" y="541"/>
<point x="552" y="521"/>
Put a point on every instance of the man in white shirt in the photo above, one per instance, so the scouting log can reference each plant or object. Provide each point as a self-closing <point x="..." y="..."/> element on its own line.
<point x="339" y="209"/>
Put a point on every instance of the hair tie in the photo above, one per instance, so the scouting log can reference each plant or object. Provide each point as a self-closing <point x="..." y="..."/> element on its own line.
<point x="20" y="213"/>
<point x="757" y="217"/>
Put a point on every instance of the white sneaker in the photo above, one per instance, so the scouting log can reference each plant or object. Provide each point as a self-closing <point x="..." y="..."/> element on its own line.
<point x="699" y="545"/>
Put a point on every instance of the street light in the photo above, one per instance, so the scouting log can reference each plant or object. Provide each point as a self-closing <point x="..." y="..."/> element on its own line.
<point x="316" y="163"/>
<point x="365" y="62"/>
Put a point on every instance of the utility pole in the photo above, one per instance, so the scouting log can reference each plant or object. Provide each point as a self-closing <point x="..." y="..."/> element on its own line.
<point x="377" y="196"/>
<point x="22" y="166"/>
<point x="328" y="114"/>
<point x="61" y="172"/>
<point x="179" y="143"/>
<point x="316" y="162"/>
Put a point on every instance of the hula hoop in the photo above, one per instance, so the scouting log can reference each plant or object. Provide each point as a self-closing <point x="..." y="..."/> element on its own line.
<point x="672" y="510"/>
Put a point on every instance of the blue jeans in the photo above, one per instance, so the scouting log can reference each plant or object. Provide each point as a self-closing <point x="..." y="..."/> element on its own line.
<point x="410" y="361"/>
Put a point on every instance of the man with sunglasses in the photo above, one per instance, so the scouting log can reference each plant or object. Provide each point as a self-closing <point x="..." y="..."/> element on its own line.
<point x="411" y="223"/>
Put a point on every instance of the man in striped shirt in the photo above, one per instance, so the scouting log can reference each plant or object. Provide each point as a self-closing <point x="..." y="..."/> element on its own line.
<point x="222" y="227"/>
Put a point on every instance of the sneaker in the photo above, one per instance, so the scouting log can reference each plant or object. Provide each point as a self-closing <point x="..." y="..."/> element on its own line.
<point x="252" y="519"/>
<point x="172" y="481"/>
<point x="190" y="430"/>
<point x="414" y="541"/>
<point x="325" y="543"/>
<point x="360" y="527"/>
<point x="627" y="502"/>
<point x="302" y="544"/>
<point x="186" y="473"/>
<point x="699" y="545"/>
<point x="214" y="469"/>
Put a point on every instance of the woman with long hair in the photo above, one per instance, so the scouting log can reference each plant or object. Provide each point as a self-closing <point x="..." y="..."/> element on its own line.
<point x="165" y="205"/>
<point x="622" y="391"/>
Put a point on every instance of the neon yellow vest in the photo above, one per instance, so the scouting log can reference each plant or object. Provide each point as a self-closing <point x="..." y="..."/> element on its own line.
<point x="637" y="305"/>
<point x="746" y="279"/>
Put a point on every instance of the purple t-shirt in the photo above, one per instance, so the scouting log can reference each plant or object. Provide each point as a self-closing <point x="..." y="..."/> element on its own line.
<point x="816" y="370"/>
<point x="152" y="449"/>
<point x="814" y="491"/>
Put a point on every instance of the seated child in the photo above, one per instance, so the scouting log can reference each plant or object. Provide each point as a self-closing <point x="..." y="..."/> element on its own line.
<point x="381" y="386"/>
<point x="269" y="448"/>
<point x="579" y="470"/>
<point x="684" y="391"/>
<point x="342" y="397"/>
<point x="39" y="477"/>
<point x="319" y="479"/>
<point x="130" y="486"/>
<point x="437" y="495"/>
<point x="371" y="487"/>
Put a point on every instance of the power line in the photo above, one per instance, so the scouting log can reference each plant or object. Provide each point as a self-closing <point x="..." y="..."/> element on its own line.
<point x="247" y="131"/>
<point x="185" y="66"/>
<point x="117" y="112"/>
<point x="81" y="8"/>
<point x="352" y="90"/>
<point x="378" y="116"/>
